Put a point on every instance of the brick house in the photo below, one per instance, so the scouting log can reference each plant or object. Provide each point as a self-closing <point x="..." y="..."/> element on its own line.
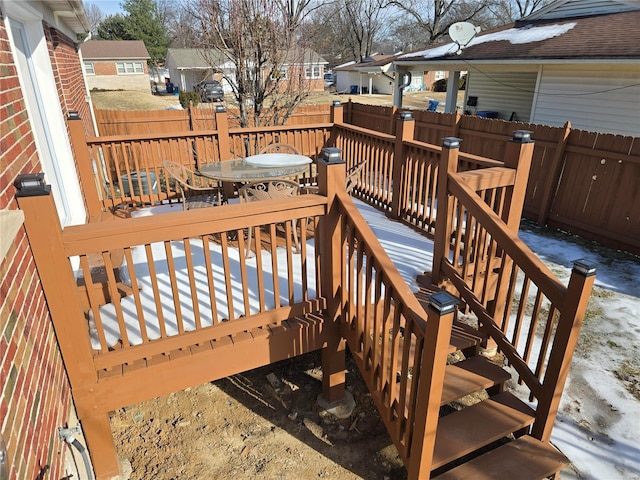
<point x="35" y="102"/>
<point x="116" y="64"/>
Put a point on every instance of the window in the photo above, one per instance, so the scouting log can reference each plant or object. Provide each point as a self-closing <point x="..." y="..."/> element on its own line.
<point x="280" y="74"/>
<point x="312" y="71"/>
<point x="88" y="68"/>
<point x="127" y="68"/>
<point x="440" y="74"/>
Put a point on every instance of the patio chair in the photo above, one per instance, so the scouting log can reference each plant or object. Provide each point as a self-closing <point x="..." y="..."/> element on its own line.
<point x="280" y="148"/>
<point x="353" y="175"/>
<point x="266" y="190"/>
<point x="193" y="196"/>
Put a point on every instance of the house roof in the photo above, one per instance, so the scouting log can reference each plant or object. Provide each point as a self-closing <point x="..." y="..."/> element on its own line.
<point x="71" y="12"/>
<point x="614" y="36"/>
<point x="196" y="58"/>
<point x="371" y="61"/>
<point x="114" y="50"/>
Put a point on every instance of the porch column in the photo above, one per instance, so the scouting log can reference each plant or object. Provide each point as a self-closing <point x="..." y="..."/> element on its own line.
<point x="331" y="178"/>
<point x="405" y="128"/>
<point x="452" y="92"/>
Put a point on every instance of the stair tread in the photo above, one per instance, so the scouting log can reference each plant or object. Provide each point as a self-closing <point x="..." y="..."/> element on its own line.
<point x="469" y="376"/>
<point x="463" y="337"/>
<point x="473" y="427"/>
<point x="525" y="459"/>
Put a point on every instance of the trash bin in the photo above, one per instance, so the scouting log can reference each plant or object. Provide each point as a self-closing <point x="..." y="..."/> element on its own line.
<point x="138" y="179"/>
<point x="169" y="87"/>
<point x="433" y="104"/>
<point x="176" y="91"/>
<point x="487" y="114"/>
<point x="354" y="89"/>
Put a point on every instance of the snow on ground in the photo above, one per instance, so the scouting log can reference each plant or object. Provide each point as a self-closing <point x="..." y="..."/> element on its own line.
<point x="598" y="426"/>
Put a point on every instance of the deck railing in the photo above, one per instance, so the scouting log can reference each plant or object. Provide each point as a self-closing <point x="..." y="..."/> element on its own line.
<point x="401" y="350"/>
<point x="519" y="303"/>
<point x="118" y="171"/>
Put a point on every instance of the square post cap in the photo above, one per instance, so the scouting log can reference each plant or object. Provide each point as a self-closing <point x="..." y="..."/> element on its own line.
<point x="584" y="267"/>
<point x="332" y="155"/>
<point x="451" y="142"/>
<point x="443" y="302"/>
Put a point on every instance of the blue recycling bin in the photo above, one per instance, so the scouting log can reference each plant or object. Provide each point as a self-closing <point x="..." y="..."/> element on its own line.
<point x="176" y="91"/>
<point x="138" y="179"/>
<point x="354" y="89"/>
<point x="169" y="87"/>
<point x="433" y="104"/>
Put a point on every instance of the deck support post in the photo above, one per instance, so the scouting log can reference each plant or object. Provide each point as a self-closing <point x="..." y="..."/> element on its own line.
<point x="405" y="128"/>
<point x="444" y="217"/>
<point x="518" y="154"/>
<point x="59" y="285"/>
<point x="84" y="164"/>
<point x="331" y="174"/>
<point x="440" y="313"/>
<point x="579" y="289"/>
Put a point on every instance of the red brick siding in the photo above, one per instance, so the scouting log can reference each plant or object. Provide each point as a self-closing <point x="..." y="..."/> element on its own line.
<point x="34" y="390"/>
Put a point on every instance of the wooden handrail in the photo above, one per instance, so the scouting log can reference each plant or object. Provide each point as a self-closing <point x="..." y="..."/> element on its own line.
<point x="521" y="253"/>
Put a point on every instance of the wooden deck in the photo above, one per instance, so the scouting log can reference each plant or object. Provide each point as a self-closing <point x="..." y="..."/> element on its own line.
<point x="180" y="302"/>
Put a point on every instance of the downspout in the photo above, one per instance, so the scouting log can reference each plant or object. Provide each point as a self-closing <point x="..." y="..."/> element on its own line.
<point x="397" y="92"/>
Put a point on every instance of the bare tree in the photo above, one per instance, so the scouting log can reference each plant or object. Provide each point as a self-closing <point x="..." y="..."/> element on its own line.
<point x="259" y="48"/>
<point x="434" y="17"/>
<point x="95" y="16"/>
<point x="348" y="29"/>
<point x="506" y="11"/>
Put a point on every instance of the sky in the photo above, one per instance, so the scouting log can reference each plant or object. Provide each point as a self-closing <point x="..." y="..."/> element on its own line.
<point x="598" y="425"/>
<point x="108" y="7"/>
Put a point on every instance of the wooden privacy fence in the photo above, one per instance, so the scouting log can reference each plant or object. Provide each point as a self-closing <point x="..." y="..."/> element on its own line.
<point x="202" y="117"/>
<point x="581" y="182"/>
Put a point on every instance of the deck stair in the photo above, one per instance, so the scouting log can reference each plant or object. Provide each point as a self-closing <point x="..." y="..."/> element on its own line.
<point x="488" y="439"/>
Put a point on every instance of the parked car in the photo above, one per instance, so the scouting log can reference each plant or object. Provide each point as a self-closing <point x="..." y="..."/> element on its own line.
<point x="210" y="91"/>
<point x="329" y="80"/>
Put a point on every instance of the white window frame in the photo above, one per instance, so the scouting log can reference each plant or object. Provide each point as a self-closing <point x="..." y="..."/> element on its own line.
<point x="129" y="68"/>
<point x="312" y="72"/>
<point x="283" y="74"/>
<point x="89" y="68"/>
<point x="45" y="114"/>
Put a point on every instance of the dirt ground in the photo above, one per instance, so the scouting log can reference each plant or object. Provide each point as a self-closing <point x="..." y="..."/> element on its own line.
<point x="265" y="423"/>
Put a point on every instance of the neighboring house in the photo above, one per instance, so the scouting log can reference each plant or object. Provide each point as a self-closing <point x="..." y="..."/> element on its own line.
<point x="116" y="64"/>
<point x="42" y="83"/>
<point x="575" y="60"/>
<point x="375" y="74"/>
<point x="189" y="66"/>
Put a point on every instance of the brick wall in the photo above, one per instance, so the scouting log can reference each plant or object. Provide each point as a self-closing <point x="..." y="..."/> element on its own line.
<point x="35" y="396"/>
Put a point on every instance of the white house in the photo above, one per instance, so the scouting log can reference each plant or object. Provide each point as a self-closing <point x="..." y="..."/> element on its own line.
<point x="575" y="60"/>
<point x="189" y="66"/>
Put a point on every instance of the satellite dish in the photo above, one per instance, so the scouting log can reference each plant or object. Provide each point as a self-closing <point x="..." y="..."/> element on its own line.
<point x="462" y="33"/>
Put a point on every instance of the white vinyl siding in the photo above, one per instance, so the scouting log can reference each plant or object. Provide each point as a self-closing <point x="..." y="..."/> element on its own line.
<point x="503" y="92"/>
<point x="582" y="8"/>
<point x="601" y="98"/>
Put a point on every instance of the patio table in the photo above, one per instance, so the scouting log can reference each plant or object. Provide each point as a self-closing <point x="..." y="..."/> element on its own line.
<point x="256" y="167"/>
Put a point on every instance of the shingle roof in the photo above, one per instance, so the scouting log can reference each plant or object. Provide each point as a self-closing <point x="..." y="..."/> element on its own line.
<point x="601" y="37"/>
<point x="114" y="50"/>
